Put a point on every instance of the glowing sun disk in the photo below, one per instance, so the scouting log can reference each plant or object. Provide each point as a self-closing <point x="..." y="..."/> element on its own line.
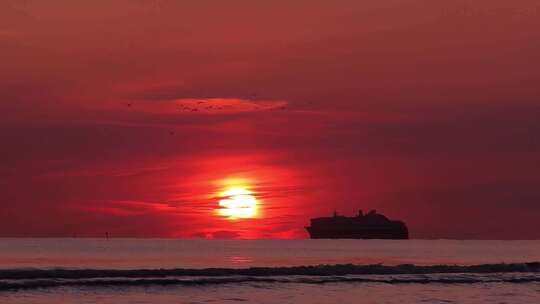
<point x="237" y="203"/>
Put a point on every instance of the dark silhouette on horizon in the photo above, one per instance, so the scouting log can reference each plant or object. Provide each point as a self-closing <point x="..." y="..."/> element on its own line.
<point x="370" y="226"/>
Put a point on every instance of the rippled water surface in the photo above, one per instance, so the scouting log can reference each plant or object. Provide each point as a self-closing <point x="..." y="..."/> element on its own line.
<point x="268" y="271"/>
<point x="134" y="253"/>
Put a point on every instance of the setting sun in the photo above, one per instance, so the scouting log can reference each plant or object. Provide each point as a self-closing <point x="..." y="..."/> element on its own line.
<point x="237" y="203"/>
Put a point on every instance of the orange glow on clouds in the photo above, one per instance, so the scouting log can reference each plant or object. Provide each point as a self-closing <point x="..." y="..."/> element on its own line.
<point x="227" y="105"/>
<point x="207" y="106"/>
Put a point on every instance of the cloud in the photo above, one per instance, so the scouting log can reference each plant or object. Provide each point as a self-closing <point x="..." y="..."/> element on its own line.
<point x="223" y="235"/>
<point x="210" y="106"/>
<point x="129" y="208"/>
<point x="217" y="235"/>
<point x="228" y="105"/>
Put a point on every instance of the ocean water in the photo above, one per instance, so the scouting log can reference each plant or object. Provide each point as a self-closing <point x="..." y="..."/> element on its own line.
<point x="268" y="271"/>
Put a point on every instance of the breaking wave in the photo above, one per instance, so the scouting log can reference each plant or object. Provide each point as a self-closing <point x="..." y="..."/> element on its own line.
<point x="13" y="279"/>
<point x="319" y="270"/>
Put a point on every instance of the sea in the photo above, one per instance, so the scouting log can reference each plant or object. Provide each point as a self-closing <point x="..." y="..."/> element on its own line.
<point x="267" y="271"/>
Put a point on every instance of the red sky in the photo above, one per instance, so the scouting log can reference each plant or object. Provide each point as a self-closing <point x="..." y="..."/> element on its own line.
<point x="130" y="116"/>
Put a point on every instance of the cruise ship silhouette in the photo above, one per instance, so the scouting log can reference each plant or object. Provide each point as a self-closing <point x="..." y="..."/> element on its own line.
<point x="369" y="226"/>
